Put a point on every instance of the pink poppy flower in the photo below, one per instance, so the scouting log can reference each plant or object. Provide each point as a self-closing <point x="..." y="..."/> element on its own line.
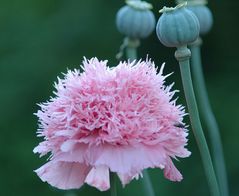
<point x="103" y="120"/>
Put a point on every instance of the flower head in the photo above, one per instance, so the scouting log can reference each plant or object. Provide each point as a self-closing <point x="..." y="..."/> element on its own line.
<point x="120" y="119"/>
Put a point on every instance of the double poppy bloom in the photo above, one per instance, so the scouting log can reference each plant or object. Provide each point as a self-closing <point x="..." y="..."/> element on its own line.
<point x="121" y="120"/>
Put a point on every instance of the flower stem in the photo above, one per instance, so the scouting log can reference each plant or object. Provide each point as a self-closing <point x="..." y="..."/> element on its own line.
<point x="148" y="188"/>
<point x="131" y="54"/>
<point x="183" y="54"/>
<point x="131" y="49"/>
<point x="113" y="185"/>
<point x="208" y="117"/>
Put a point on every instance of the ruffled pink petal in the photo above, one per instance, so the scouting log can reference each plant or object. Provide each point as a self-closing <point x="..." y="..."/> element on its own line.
<point x="63" y="175"/>
<point x="171" y="171"/>
<point x="125" y="178"/>
<point x="76" y="155"/>
<point x="127" y="160"/>
<point x="99" y="178"/>
<point x="68" y="145"/>
<point x="42" y="148"/>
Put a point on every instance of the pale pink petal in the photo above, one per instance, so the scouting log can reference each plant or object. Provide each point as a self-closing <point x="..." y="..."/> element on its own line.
<point x="63" y="175"/>
<point x="128" y="160"/>
<point x="76" y="155"/>
<point x="99" y="178"/>
<point x="125" y="178"/>
<point x="42" y="148"/>
<point x="171" y="171"/>
<point x="68" y="145"/>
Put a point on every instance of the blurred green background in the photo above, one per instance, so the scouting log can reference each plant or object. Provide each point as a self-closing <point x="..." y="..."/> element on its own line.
<point x="41" y="39"/>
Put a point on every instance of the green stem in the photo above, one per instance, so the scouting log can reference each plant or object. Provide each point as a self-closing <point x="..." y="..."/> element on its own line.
<point x="208" y="117"/>
<point x="148" y="188"/>
<point x="131" y="49"/>
<point x="113" y="185"/>
<point x="182" y="55"/>
<point x="131" y="54"/>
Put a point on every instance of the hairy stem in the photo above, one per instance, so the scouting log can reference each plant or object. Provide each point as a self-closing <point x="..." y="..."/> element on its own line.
<point x="182" y="55"/>
<point x="209" y="118"/>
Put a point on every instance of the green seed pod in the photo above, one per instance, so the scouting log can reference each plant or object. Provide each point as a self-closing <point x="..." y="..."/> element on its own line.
<point x="203" y="13"/>
<point x="204" y="16"/>
<point x="135" y="19"/>
<point x="177" y="26"/>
